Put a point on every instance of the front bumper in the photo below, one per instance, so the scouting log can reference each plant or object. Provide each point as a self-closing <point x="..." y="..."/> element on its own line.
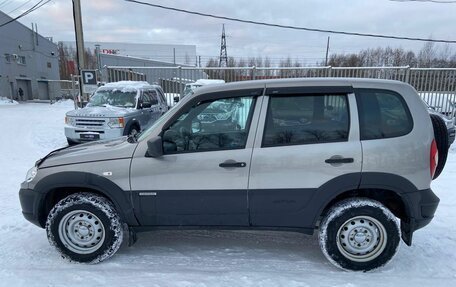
<point x="30" y="202"/>
<point x="75" y="133"/>
<point x="422" y="205"/>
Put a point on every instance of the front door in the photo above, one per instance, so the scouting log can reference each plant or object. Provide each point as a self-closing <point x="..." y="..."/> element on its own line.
<point x="305" y="142"/>
<point x="202" y="177"/>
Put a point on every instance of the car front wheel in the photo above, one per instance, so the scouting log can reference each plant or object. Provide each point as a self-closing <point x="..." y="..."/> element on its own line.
<point x="85" y="227"/>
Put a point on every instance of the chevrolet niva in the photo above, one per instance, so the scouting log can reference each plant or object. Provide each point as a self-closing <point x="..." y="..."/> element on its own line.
<point x="352" y="159"/>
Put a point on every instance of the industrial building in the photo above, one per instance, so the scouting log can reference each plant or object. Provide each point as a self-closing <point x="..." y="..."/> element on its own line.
<point x="29" y="65"/>
<point x="174" y="54"/>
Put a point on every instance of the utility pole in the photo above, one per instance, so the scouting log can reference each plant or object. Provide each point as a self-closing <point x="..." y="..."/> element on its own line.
<point x="99" y="64"/>
<point x="223" y="54"/>
<point x="77" y="16"/>
<point x="327" y="52"/>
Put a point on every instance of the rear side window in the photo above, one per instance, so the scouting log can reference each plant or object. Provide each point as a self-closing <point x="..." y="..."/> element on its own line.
<point x="382" y="114"/>
<point x="306" y="119"/>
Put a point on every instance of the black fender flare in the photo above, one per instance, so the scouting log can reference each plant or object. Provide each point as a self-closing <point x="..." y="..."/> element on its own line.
<point x="129" y="124"/>
<point x="366" y="180"/>
<point x="72" y="179"/>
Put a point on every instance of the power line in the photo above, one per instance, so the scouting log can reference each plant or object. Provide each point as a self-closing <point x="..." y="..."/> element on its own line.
<point x="19" y="7"/>
<point x="293" y="27"/>
<point x="35" y="7"/>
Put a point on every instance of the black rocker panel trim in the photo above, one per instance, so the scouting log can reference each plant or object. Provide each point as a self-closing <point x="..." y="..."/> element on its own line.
<point x="264" y="208"/>
<point x="119" y="197"/>
<point x="297" y="207"/>
<point x="191" y="207"/>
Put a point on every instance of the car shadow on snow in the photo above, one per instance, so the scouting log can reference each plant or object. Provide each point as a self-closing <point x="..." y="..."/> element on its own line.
<point x="225" y="249"/>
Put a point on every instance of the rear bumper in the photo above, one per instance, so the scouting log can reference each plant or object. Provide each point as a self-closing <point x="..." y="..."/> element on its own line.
<point x="74" y="133"/>
<point x="30" y="201"/>
<point x="422" y="205"/>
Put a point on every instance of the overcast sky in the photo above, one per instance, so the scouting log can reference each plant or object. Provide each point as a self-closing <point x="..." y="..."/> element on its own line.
<point x="120" y="21"/>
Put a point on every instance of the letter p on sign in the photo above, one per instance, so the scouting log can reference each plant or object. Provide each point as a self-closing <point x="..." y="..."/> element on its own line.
<point x="89" y="77"/>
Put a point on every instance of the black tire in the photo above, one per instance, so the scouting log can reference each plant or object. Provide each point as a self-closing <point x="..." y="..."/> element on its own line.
<point x="71" y="142"/>
<point x="359" y="225"/>
<point x="134" y="129"/>
<point x="94" y="217"/>
<point x="441" y="139"/>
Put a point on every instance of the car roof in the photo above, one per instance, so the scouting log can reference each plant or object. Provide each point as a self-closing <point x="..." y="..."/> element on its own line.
<point x="301" y="82"/>
<point x="128" y="85"/>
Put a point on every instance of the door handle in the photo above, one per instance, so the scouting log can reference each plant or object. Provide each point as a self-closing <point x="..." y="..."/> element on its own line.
<point x="232" y="164"/>
<point x="338" y="159"/>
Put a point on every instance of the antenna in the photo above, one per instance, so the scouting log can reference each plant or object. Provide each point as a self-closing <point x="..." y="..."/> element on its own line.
<point x="223" y="54"/>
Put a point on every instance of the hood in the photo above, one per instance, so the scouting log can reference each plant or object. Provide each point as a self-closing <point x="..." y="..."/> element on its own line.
<point x="100" y="112"/>
<point x="90" y="152"/>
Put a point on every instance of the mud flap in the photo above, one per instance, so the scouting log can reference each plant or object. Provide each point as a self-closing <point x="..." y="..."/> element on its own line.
<point x="407" y="230"/>
<point x="132" y="237"/>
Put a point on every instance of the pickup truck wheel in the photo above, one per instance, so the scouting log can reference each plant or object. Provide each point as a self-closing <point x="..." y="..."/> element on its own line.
<point x="85" y="227"/>
<point x="359" y="234"/>
<point x="441" y="139"/>
<point x="134" y="130"/>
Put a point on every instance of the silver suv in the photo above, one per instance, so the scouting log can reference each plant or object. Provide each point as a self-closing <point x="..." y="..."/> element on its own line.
<point x="350" y="158"/>
<point x="115" y="110"/>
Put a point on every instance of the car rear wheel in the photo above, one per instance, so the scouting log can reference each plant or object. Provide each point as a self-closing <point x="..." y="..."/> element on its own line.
<point x="85" y="227"/>
<point x="359" y="234"/>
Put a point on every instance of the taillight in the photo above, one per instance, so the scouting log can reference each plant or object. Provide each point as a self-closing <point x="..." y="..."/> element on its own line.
<point x="434" y="158"/>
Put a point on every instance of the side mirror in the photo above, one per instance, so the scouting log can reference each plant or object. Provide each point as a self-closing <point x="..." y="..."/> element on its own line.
<point x="155" y="147"/>
<point x="176" y="99"/>
<point x="146" y="105"/>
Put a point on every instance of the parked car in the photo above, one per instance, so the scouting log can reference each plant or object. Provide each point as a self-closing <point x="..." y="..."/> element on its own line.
<point x="190" y="88"/>
<point x="115" y="110"/>
<point x="348" y="158"/>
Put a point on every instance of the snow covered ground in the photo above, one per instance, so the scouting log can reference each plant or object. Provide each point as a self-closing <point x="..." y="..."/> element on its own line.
<point x="195" y="258"/>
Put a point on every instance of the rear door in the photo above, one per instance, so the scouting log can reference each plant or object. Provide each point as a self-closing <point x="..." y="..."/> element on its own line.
<point x="307" y="137"/>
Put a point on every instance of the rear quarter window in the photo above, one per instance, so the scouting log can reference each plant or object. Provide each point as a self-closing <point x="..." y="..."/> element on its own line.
<point x="382" y="114"/>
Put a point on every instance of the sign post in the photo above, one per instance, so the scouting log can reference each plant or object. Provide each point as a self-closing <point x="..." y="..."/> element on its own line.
<point x="89" y="81"/>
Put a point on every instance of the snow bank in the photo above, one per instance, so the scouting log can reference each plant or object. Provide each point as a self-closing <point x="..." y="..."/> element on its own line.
<point x="7" y="102"/>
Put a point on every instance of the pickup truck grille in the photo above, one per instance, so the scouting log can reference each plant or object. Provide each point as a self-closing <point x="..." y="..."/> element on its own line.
<point x="90" y="122"/>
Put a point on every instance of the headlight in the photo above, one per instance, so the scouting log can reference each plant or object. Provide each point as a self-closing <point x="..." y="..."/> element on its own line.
<point x="69" y="121"/>
<point x="116" y="122"/>
<point x="31" y="174"/>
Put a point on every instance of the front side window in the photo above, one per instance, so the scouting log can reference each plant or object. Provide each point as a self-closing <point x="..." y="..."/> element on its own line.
<point x="212" y="125"/>
<point x="153" y="97"/>
<point x="306" y="119"/>
<point x="113" y="97"/>
<point x="382" y="114"/>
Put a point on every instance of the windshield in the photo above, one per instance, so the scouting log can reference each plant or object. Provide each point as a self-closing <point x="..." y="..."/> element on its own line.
<point x="115" y="97"/>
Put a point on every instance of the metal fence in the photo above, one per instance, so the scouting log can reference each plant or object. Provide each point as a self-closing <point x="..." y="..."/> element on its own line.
<point x="436" y="86"/>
